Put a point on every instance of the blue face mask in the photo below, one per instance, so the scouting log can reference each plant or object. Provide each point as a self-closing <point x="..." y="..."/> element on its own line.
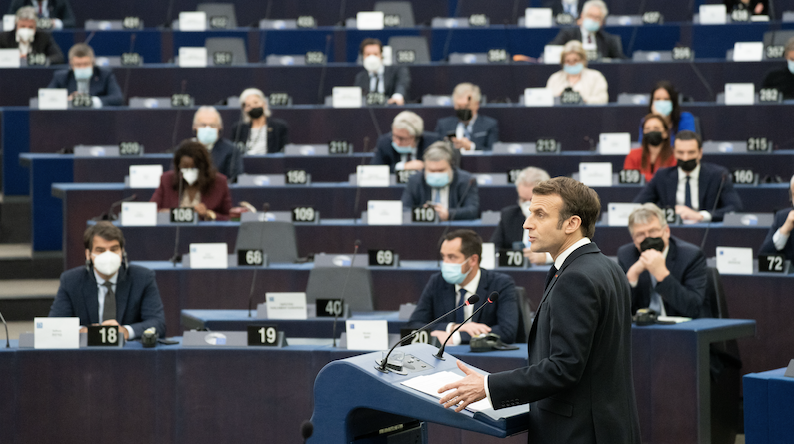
<point x="437" y="180"/>
<point x="402" y="149"/>
<point x="591" y="25"/>
<point x="663" y="107"/>
<point x="790" y="66"/>
<point x="453" y="273"/>
<point x="83" y="73"/>
<point x="207" y="136"/>
<point x="573" y="69"/>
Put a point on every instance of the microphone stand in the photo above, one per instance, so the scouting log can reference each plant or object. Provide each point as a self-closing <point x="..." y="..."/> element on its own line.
<point x="491" y="299"/>
<point x="177" y="257"/>
<point x="8" y="343"/>
<point x="716" y="202"/>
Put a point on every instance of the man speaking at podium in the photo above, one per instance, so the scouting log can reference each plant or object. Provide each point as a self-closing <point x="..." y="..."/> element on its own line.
<point x="579" y="381"/>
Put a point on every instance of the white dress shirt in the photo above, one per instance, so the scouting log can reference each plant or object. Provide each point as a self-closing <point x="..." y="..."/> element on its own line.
<point x="376" y="83"/>
<point x="103" y="291"/>
<point x="592" y="86"/>
<point x="680" y="194"/>
<point x="466" y="131"/>
<point x="780" y="239"/>
<point x="471" y="288"/>
<point x="405" y="158"/>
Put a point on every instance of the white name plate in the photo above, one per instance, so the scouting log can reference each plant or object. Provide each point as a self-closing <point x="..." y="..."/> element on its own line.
<point x="210" y="255"/>
<point x="488" y="256"/>
<point x="193" y="21"/>
<point x="192" y="57"/>
<point x="370" y="20"/>
<point x="367" y="335"/>
<point x="286" y="305"/>
<point x="145" y="176"/>
<point x="713" y="14"/>
<point x="614" y="143"/>
<point x="538" y="97"/>
<point x="595" y="174"/>
<point x="53" y="98"/>
<point x="618" y="214"/>
<point x="734" y="260"/>
<point x="346" y="97"/>
<point x="384" y="212"/>
<point x="56" y="333"/>
<point x="552" y="54"/>
<point x="372" y="175"/>
<point x="139" y="214"/>
<point x="9" y="22"/>
<point x="538" y="18"/>
<point x="739" y="93"/>
<point x="748" y="51"/>
<point x="9" y="58"/>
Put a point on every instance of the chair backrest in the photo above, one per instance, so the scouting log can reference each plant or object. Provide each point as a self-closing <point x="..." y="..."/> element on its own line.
<point x="329" y="283"/>
<point x="403" y="9"/>
<point x="524" y="315"/>
<point x="416" y="44"/>
<point x="775" y="38"/>
<point x="219" y="10"/>
<point x="234" y="45"/>
<point x="276" y="239"/>
<point x="714" y="305"/>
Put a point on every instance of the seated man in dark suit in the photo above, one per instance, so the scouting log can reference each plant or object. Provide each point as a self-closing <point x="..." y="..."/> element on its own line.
<point x="394" y="82"/>
<point x="467" y="129"/>
<point x="510" y="233"/>
<point x="85" y="78"/>
<point x="594" y="39"/>
<point x="461" y="277"/>
<point x="29" y="40"/>
<point x="778" y="240"/>
<point x="107" y="290"/>
<point x="59" y="11"/>
<point x="782" y="79"/>
<point x="570" y="7"/>
<point x="693" y="187"/>
<point x="451" y="191"/>
<point x="403" y="147"/>
<point x="666" y="274"/>
<point x="227" y="158"/>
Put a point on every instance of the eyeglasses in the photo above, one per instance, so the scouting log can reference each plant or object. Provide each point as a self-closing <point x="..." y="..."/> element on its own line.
<point x="640" y="236"/>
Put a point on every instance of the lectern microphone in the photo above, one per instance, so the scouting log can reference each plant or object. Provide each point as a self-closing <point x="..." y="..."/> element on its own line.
<point x="491" y="299"/>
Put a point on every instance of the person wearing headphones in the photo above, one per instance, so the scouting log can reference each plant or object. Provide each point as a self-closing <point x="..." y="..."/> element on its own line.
<point x="208" y="127"/>
<point x="109" y="291"/>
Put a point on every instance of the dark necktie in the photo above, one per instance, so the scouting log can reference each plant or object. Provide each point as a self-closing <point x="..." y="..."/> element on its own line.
<point x="550" y="276"/>
<point x="109" y="310"/>
<point x="687" y="194"/>
<point x="459" y="315"/>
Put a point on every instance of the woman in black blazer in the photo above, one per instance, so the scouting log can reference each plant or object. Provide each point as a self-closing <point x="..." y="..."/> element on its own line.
<point x="257" y="133"/>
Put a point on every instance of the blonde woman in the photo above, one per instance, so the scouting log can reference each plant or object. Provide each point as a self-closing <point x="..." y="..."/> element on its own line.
<point x="589" y="83"/>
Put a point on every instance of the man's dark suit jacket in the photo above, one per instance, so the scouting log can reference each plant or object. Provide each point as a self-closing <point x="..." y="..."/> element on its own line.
<point x="661" y="190"/>
<point x="396" y="80"/>
<point x="417" y="192"/>
<point x="228" y="159"/>
<point x="138" y="302"/>
<point x="768" y="247"/>
<point x="484" y="134"/>
<point x="60" y="9"/>
<point x="103" y="84"/>
<point x="277" y="134"/>
<point x="217" y="198"/>
<point x="607" y="45"/>
<point x="439" y="297"/>
<point x="43" y="43"/>
<point x="386" y="155"/>
<point x="683" y="292"/>
<point x="510" y="228"/>
<point x="579" y="380"/>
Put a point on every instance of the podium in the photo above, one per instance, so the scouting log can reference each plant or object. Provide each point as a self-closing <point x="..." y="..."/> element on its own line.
<point x="356" y="403"/>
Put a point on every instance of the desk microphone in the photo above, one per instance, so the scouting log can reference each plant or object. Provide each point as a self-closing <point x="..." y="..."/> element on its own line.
<point x="491" y="299"/>
<point x="253" y="278"/>
<point x="307" y="429"/>
<point x="716" y="202"/>
<point x="473" y="299"/>
<point x="109" y="215"/>
<point x="178" y="114"/>
<point x="344" y="287"/>
<point x="127" y="74"/>
<point x="356" y="201"/>
<point x="8" y="344"/>
<point x="178" y="257"/>
<point x="323" y="72"/>
<point x="453" y="211"/>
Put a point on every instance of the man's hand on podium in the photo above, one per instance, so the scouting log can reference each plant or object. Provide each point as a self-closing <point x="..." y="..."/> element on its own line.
<point x="465" y="391"/>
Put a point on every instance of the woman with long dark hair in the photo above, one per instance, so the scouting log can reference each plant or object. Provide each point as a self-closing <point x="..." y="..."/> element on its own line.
<point x="664" y="102"/>
<point x="656" y="151"/>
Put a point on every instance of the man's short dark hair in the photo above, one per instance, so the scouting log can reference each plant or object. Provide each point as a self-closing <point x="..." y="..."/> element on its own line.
<point x="577" y="200"/>
<point x="81" y="50"/>
<point x="470" y="242"/>
<point x="105" y="230"/>
<point x="367" y="42"/>
<point x="689" y="135"/>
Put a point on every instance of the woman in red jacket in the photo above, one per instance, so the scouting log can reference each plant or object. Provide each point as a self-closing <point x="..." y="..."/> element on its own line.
<point x="656" y="152"/>
<point x="203" y="188"/>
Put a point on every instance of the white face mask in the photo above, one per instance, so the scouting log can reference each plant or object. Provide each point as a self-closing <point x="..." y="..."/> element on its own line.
<point x="190" y="175"/>
<point x="107" y="263"/>
<point x="525" y="208"/>
<point x="372" y="63"/>
<point x="25" y="34"/>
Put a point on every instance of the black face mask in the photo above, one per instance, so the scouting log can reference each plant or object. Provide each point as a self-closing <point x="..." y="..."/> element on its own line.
<point x="654" y="138"/>
<point x="687" y="165"/>
<point x="464" y="115"/>
<point x="652" y="243"/>
<point x="256" y="113"/>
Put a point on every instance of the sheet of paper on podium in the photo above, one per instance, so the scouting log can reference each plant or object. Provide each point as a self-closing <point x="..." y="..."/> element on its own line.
<point x="429" y="384"/>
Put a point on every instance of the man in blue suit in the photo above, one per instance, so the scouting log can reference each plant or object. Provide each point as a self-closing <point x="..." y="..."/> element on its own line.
<point x="208" y="127"/>
<point x="107" y="290"/>
<point x="778" y="240"/>
<point x="85" y="78"/>
<point x="460" y="278"/>
<point x="693" y="187"/>
<point x="666" y="274"/>
<point x="451" y="191"/>
<point x="468" y="129"/>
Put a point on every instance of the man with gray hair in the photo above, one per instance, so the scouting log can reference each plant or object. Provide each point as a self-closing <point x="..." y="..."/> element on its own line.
<point x="778" y="240"/>
<point x="404" y="146"/>
<point x="59" y="11"/>
<point x="84" y="78"/>
<point x="510" y="233"/>
<point x="451" y="192"/>
<point x="782" y="79"/>
<point x="468" y="129"/>
<point x="666" y="274"/>
<point x="590" y="32"/>
<point x="29" y="40"/>
<point x="208" y="128"/>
